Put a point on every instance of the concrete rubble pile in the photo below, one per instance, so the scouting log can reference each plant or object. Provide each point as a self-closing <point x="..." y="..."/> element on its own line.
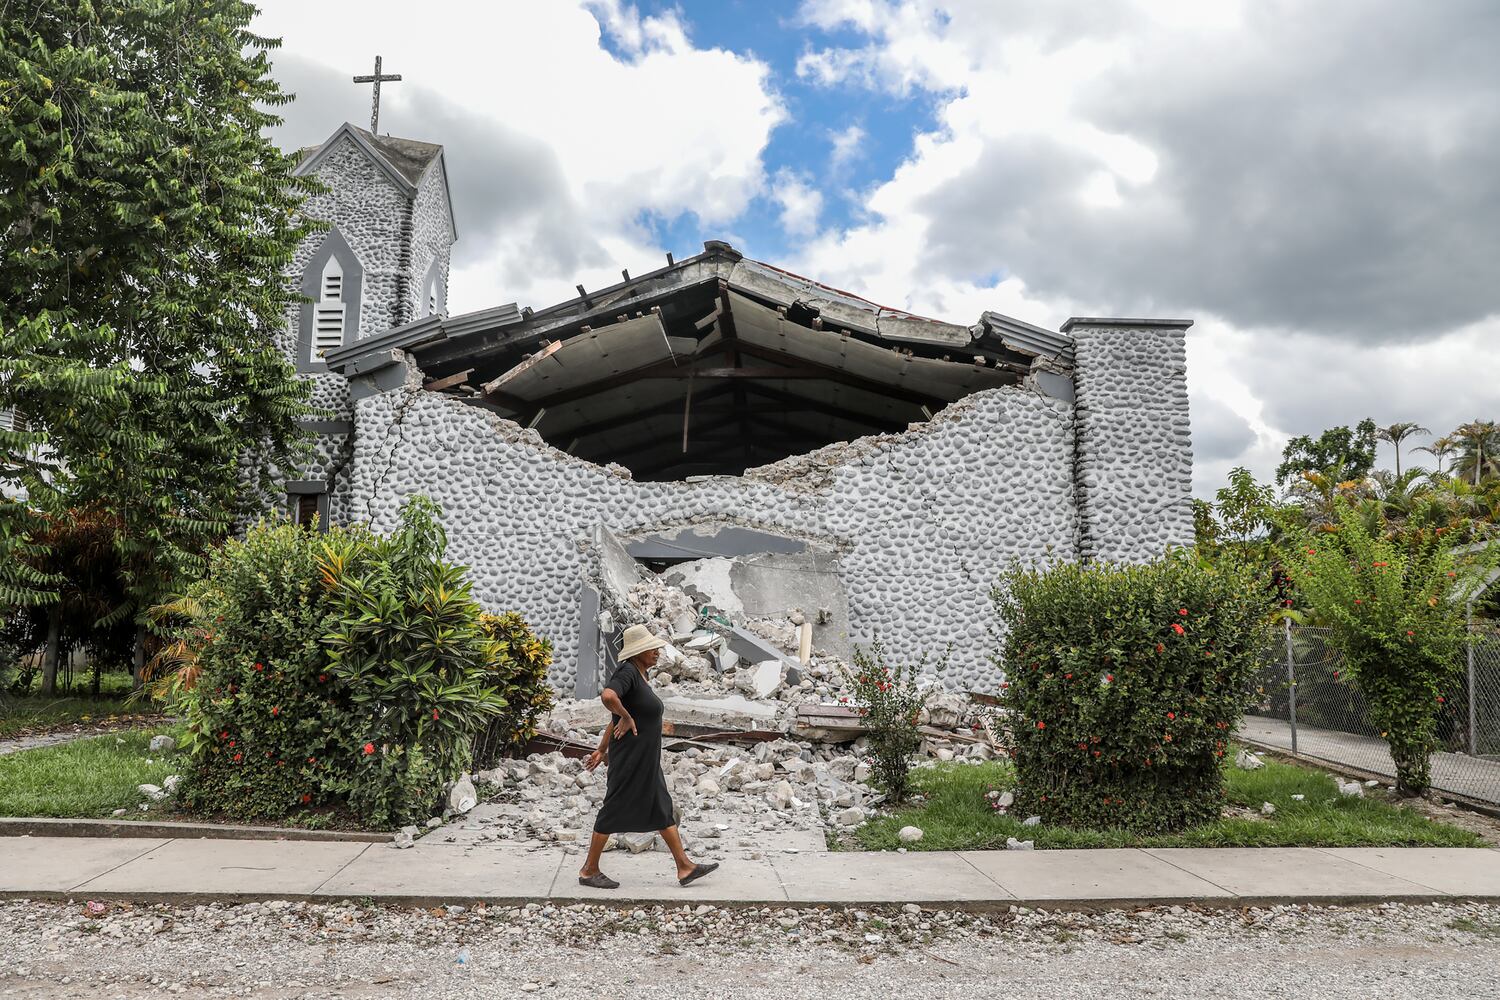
<point x="737" y="795"/>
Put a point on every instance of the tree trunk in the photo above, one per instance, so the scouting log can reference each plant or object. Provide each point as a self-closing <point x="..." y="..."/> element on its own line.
<point x="139" y="666"/>
<point x="49" y="659"/>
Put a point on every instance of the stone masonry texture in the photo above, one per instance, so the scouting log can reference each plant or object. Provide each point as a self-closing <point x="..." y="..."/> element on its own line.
<point x="1135" y="458"/>
<point x="923" y="520"/>
<point x="396" y="239"/>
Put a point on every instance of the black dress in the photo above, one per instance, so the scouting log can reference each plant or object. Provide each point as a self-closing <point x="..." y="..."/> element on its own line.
<point x="635" y="796"/>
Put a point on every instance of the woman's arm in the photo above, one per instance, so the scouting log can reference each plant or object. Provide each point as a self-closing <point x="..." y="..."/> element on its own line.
<point x="626" y="725"/>
<point x="601" y="753"/>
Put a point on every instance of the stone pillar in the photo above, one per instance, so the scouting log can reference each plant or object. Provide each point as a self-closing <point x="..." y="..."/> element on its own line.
<point x="1133" y="457"/>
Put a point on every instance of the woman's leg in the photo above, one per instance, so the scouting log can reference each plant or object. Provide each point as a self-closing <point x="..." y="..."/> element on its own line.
<point x="674" y="844"/>
<point x="596" y="848"/>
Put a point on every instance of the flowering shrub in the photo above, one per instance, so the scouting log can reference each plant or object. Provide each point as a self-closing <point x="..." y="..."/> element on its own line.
<point x="1397" y="615"/>
<point x="891" y="704"/>
<point x="346" y="669"/>
<point x="1123" y="685"/>
<point x="269" y="727"/>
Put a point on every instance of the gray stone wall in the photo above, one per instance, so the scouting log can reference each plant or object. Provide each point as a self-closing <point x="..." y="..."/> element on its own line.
<point x="431" y="239"/>
<point x="373" y="216"/>
<point x="1135" y="457"/>
<point x="922" y="521"/>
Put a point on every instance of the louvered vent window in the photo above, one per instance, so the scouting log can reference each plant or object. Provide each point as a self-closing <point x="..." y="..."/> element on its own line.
<point x="328" y="313"/>
<point x="10" y="421"/>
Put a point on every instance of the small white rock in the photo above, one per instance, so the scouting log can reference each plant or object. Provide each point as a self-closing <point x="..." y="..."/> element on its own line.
<point x="1032" y="821"/>
<point x="1247" y="761"/>
<point x="910" y="834"/>
<point x="1267" y="808"/>
<point x="1012" y="844"/>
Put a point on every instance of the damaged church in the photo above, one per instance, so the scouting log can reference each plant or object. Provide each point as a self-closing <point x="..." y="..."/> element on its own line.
<point x="767" y="444"/>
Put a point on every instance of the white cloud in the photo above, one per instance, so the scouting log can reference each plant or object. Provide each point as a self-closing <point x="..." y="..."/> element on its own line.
<point x="800" y="202"/>
<point x="846" y="144"/>
<point x="667" y="129"/>
<point x="1262" y="168"/>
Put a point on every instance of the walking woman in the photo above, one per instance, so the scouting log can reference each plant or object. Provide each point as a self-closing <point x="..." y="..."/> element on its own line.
<point x="635" y="797"/>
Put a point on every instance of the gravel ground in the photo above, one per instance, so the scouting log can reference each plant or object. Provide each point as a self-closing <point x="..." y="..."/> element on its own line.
<point x="50" y="949"/>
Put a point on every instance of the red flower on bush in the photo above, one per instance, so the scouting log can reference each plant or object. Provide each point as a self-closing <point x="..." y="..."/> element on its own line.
<point x="231" y="742"/>
<point x="369" y="749"/>
<point x="1171" y="715"/>
<point x="312" y="760"/>
<point x="1067" y="677"/>
<point x="1041" y="725"/>
<point x="1182" y="612"/>
<point x="322" y="678"/>
<point x="260" y="667"/>
<point x="434" y="715"/>
<point x="306" y="798"/>
<point x="1162" y="649"/>
<point x="1109" y="678"/>
<point x="237" y="757"/>
<point x="275" y="709"/>
<point x="1178" y="629"/>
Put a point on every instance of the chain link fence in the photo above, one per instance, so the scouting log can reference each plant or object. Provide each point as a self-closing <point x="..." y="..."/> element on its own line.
<point x="1305" y="704"/>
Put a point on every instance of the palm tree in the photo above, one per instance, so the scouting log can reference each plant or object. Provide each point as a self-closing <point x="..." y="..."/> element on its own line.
<point x="1398" y="432"/>
<point x="1441" y="448"/>
<point x="1398" y="494"/>
<point x="1480" y="441"/>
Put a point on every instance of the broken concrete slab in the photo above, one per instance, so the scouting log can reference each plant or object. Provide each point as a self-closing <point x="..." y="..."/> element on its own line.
<point x="751" y="647"/>
<point x="704" y="540"/>
<point x="708" y="581"/>
<point x="729" y="712"/>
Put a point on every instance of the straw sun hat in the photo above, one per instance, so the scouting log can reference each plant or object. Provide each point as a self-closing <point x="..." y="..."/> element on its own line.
<point x="638" y="639"/>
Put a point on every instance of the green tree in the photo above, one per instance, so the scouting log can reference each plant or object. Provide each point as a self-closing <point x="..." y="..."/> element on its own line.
<point x="145" y="224"/>
<point x="1398" y="432"/>
<point x="1396" y="613"/>
<point x="1479" y="450"/>
<point x="1441" y="448"/>
<point x="1352" y="452"/>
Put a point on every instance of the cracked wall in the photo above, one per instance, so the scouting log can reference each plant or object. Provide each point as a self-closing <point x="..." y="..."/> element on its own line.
<point x="922" y="521"/>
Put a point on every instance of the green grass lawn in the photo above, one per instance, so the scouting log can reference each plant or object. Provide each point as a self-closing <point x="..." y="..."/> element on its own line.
<point x="956" y="816"/>
<point x="32" y="711"/>
<point x="89" y="778"/>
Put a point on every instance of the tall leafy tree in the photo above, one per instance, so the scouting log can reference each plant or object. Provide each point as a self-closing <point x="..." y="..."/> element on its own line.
<point x="145" y="224"/>
<point x="1441" y="448"/>
<point x="1479" y="450"/>
<point x="1352" y="452"/>
<point x="1398" y="432"/>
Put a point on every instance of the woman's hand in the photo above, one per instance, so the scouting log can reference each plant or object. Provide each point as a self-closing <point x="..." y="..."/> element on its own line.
<point x="625" y="727"/>
<point x="595" y="759"/>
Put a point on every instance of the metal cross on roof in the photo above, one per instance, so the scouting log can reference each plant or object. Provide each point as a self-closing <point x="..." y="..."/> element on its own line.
<point x="375" y="102"/>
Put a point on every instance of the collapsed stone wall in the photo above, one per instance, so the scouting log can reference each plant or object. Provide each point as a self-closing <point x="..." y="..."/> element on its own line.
<point x="923" y="520"/>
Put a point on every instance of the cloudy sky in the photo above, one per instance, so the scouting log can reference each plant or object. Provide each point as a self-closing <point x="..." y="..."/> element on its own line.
<point x="1315" y="182"/>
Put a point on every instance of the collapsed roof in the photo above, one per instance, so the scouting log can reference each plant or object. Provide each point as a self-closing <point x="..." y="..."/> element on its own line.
<point x="715" y="364"/>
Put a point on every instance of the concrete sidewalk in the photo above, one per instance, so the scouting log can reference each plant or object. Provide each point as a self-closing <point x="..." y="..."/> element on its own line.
<point x="155" y="869"/>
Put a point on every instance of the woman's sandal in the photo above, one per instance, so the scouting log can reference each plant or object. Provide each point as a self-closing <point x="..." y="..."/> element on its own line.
<point x="698" y="872"/>
<point x="599" y="880"/>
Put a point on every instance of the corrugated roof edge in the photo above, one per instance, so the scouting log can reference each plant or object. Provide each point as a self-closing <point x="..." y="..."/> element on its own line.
<point x="426" y="330"/>
<point x="1021" y="336"/>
